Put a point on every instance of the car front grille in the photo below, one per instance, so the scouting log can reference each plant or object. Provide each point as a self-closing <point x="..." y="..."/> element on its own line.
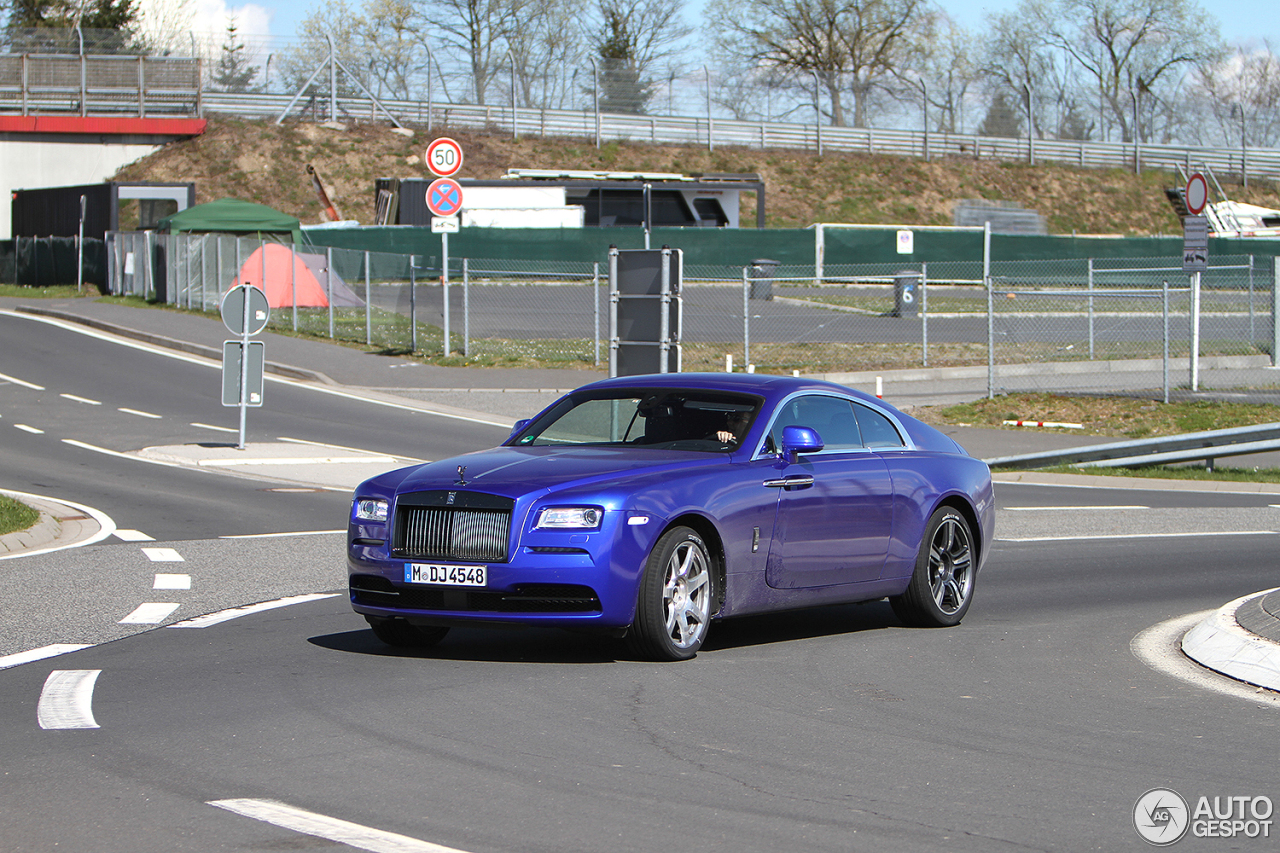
<point x="452" y="526"/>
<point x="376" y="591"/>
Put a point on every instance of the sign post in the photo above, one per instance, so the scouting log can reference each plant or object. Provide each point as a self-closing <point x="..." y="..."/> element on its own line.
<point x="1195" y="258"/>
<point x="245" y="312"/>
<point x="444" y="200"/>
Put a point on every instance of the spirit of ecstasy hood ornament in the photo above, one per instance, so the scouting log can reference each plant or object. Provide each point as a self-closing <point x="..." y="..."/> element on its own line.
<point x="462" y="475"/>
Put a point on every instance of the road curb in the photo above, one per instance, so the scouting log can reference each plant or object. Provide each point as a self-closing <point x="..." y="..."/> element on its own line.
<point x="1096" y="481"/>
<point x="59" y="524"/>
<point x="1220" y="643"/>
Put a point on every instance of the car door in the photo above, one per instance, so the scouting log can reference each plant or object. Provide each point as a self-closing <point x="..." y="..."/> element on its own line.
<point x="835" y="507"/>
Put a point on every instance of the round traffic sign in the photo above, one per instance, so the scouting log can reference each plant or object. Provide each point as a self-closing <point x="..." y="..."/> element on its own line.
<point x="1197" y="194"/>
<point x="444" y="197"/>
<point x="444" y="157"/>
<point x="234" y="314"/>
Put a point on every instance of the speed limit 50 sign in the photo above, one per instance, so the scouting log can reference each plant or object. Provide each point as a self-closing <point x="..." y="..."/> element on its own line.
<point x="444" y="157"/>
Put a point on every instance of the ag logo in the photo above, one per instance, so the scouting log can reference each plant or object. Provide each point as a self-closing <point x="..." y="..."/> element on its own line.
<point x="1161" y="817"/>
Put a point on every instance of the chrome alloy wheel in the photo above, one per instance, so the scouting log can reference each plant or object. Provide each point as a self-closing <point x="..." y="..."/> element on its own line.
<point x="950" y="565"/>
<point x="686" y="594"/>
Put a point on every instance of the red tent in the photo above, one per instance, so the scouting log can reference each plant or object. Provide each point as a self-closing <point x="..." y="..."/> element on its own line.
<point x="269" y="269"/>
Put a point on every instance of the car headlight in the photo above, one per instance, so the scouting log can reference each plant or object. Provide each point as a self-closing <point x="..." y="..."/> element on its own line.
<point x="370" y="509"/>
<point x="570" y="518"/>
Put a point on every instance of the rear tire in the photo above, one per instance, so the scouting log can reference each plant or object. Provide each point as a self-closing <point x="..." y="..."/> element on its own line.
<point x="673" y="611"/>
<point x="402" y="635"/>
<point x="941" y="588"/>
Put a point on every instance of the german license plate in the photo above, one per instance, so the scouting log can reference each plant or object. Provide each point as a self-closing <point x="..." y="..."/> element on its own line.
<point x="444" y="575"/>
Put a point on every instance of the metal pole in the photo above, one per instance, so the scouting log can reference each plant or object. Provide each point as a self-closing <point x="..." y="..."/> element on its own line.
<point x="595" y="94"/>
<point x="595" y="306"/>
<point x="244" y="363"/>
<point x="664" y="328"/>
<point x="80" y="253"/>
<point x="1195" y="331"/>
<point x="1031" y="126"/>
<point x="413" y="307"/>
<point x="1252" y="330"/>
<point x="711" y="146"/>
<point x="444" y="282"/>
<point x="293" y="282"/>
<point x="1275" y="303"/>
<point x="613" y="310"/>
<point x="515" y="116"/>
<point x="333" y="81"/>
<point x="746" y="317"/>
<point x="466" y="310"/>
<point x="1164" y="294"/>
<point x="328" y="285"/>
<point x="924" y="314"/>
<point x="991" y="309"/>
<point x="368" y="310"/>
<point x="1091" y="309"/>
<point x="817" y="110"/>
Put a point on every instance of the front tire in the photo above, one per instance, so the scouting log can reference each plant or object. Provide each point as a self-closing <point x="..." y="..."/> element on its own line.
<point x="673" y="611"/>
<point x="402" y="635"/>
<point x="941" y="588"/>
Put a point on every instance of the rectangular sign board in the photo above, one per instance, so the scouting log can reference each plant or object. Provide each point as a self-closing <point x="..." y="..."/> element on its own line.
<point x="1195" y="244"/>
<point x="232" y="352"/>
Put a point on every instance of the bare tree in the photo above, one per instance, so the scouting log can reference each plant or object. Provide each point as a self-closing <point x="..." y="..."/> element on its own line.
<point x="943" y="72"/>
<point x="630" y="38"/>
<point x="1242" y="92"/>
<point x="544" y="40"/>
<point x="472" y="31"/>
<point x="1132" y="50"/>
<point x="852" y="45"/>
<point x="1018" y="62"/>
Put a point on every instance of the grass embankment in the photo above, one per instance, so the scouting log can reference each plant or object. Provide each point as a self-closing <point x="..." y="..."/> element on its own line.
<point x="15" y="515"/>
<point x="1121" y="418"/>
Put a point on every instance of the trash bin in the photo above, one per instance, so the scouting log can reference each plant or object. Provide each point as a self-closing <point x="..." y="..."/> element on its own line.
<point x="762" y="278"/>
<point x="906" y="294"/>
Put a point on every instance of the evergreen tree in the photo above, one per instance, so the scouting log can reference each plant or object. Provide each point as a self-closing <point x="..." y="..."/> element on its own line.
<point x="233" y="72"/>
<point x="1002" y="118"/>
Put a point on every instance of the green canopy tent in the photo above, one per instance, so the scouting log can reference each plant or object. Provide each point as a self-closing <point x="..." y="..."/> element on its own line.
<point x="233" y="216"/>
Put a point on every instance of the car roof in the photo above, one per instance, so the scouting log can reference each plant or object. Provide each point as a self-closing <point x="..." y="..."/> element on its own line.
<point x="765" y="385"/>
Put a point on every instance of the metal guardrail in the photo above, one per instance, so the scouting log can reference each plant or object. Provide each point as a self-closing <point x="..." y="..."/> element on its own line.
<point x="1189" y="447"/>
<point x="699" y="130"/>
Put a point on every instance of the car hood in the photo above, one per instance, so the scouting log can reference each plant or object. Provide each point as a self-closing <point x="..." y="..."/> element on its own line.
<point x="513" y="471"/>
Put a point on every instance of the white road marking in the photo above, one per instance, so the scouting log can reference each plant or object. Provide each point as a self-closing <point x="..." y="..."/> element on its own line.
<point x="296" y="460"/>
<point x="163" y="555"/>
<point x="1159" y="647"/>
<point x="81" y="399"/>
<point x="29" y="429"/>
<point x="74" y="443"/>
<point x="217" y="428"/>
<point x="236" y="612"/>
<point x="42" y="653"/>
<point x="66" y="702"/>
<point x="106" y="526"/>
<point x="330" y="828"/>
<point x="1065" y="508"/>
<point x="133" y="536"/>
<point x="342" y="447"/>
<point x="164" y="581"/>
<point x="31" y="385"/>
<point x="139" y="413"/>
<point x="151" y="613"/>
<point x="1139" y="536"/>
<point x="281" y="535"/>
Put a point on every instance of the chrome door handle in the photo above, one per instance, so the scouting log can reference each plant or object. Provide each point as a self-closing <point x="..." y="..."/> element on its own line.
<point x="790" y="482"/>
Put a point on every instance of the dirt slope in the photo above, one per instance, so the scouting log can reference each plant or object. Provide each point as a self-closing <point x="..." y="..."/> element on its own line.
<point x="266" y="163"/>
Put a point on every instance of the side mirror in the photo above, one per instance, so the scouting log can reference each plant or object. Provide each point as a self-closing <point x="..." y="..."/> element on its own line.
<point x="519" y="427"/>
<point x="797" y="440"/>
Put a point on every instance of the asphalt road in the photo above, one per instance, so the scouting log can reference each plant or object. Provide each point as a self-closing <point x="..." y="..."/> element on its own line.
<point x="1035" y="725"/>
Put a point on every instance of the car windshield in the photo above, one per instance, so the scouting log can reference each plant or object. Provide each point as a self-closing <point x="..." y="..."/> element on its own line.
<point x="672" y="419"/>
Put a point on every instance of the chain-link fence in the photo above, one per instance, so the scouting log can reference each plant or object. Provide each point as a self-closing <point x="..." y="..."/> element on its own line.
<point x="1083" y="325"/>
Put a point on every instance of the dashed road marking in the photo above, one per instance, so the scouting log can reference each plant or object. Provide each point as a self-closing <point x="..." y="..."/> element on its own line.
<point x="329" y="828"/>
<point x="79" y="399"/>
<point x="151" y="613"/>
<point x="29" y="429"/>
<point x="42" y="653"/>
<point x="282" y="535"/>
<point x="140" y="414"/>
<point x="31" y="385"/>
<point x="1079" y="538"/>
<point x="66" y="702"/>
<point x="215" y="428"/>
<point x="133" y="536"/>
<point x="1065" y="508"/>
<point x="164" y="581"/>
<point x="236" y="612"/>
<point x="163" y="555"/>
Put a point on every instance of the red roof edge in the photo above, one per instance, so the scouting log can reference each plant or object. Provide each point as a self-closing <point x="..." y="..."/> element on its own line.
<point x="113" y="125"/>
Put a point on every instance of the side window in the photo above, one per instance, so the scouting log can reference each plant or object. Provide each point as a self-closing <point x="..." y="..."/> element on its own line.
<point x="832" y="417"/>
<point x="877" y="430"/>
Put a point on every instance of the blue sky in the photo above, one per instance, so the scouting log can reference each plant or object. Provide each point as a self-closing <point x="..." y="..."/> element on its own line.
<point x="1239" y="21"/>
